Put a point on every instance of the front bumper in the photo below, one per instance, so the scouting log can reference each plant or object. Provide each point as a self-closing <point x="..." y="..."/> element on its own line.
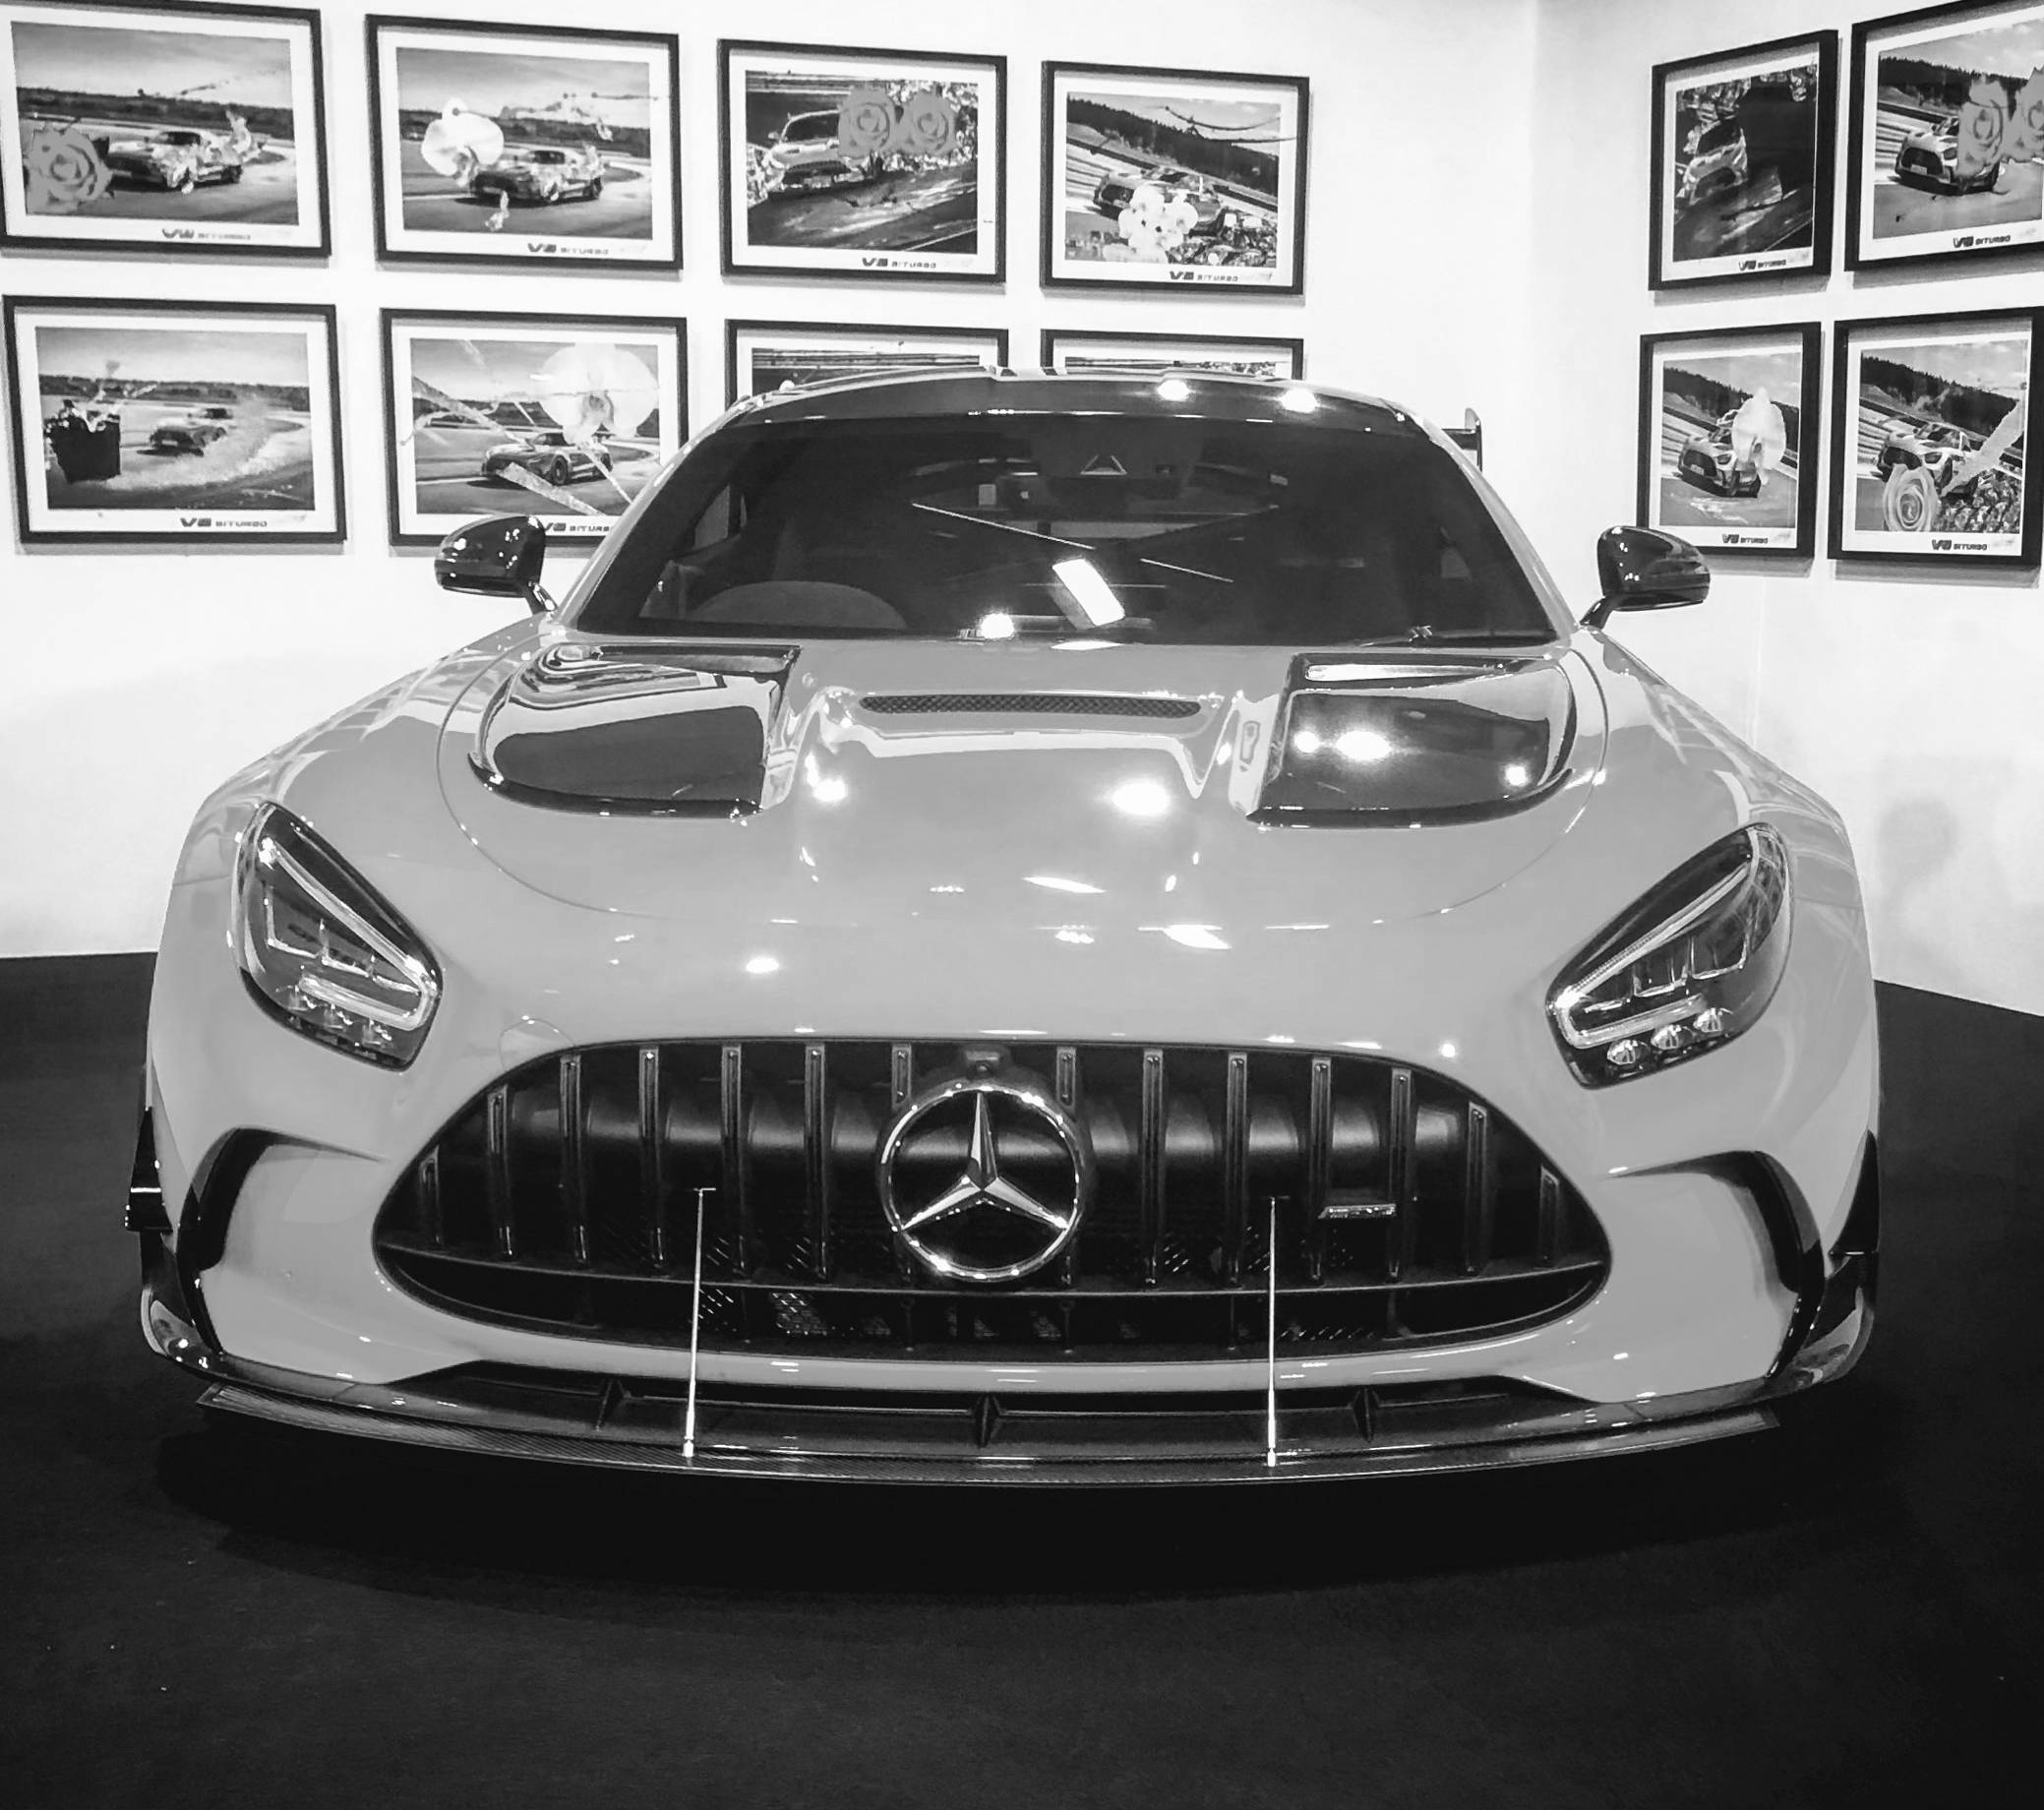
<point x="1286" y="1433"/>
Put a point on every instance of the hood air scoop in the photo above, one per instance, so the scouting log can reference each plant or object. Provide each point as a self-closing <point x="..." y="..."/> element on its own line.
<point x="1407" y="743"/>
<point x="647" y="732"/>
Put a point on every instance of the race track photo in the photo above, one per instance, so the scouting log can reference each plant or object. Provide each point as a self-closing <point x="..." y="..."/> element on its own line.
<point x="910" y="211"/>
<point x="1899" y="209"/>
<point x="264" y="461"/>
<point x="1686" y="503"/>
<point x="434" y="202"/>
<point x="265" y="194"/>
<point x="449" y="480"/>
<point x="1092" y="232"/>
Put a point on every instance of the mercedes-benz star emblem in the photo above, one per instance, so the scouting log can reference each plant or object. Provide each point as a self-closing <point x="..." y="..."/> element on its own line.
<point x="997" y="1217"/>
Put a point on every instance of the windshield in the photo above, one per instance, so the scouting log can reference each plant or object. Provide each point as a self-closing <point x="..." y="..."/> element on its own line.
<point x="809" y="127"/>
<point x="1134" y="526"/>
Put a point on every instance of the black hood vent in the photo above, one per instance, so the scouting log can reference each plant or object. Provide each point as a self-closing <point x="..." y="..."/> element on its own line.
<point x="647" y="732"/>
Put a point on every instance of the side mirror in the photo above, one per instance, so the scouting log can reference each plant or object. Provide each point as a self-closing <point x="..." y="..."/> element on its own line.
<point x="1642" y="569"/>
<point x="498" y="557"/>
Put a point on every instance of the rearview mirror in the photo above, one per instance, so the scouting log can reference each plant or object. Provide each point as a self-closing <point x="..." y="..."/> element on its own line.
<point x="1642" y="569"/>
<point x="498" y="556"/>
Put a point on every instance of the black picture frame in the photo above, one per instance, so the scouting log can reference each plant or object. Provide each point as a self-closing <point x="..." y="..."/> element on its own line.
<point x="187" y="215"/>
<point x="1929" y="217"/>
<point x="900" y="248"/>
<point x="1700" y="497"/>
<point x="199" y="517"/>
<point x="1958" y="534"/>
<point x="545" y="238"/>
<point x="850" y="336"/>
<point x="1056" y="340"/>
<point x="1774" y="130"/>
<point x="566" y="526"/>
<point x="1220" y="252"/>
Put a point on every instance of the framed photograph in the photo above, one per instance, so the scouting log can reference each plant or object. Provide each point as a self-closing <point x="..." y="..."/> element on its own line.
<point x="1742" y="162"/>
<point x="1230" y="356"/>
<point x="765" y="355"/>
<point x="1158" y="178"/>
<point x="183" y="127"/>
<point x="1931" y="425"/>
<point x="174" y="421"/>
<point x="1728" y="446"/>
<point x="1947" y="157"/>
<point x="876" y="163"/>
<point x="561" y="416"/>
<point x="515" y="144"/>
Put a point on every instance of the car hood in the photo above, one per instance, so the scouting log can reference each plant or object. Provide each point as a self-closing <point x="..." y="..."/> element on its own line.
<point x="866" y="781"/>
<point x="971" y="844"/>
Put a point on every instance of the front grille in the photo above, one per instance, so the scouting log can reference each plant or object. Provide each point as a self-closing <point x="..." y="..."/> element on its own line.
<point x="1405" y="1210"/>
<point x="1042" y="704"/>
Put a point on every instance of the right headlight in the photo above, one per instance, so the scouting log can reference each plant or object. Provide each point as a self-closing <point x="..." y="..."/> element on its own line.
<point x="1687" y="969"/>
<point x="321" y="951"/>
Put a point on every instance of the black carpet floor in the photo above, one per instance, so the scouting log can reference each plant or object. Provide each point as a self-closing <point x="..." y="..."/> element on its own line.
<point x="1839" y="1613"/>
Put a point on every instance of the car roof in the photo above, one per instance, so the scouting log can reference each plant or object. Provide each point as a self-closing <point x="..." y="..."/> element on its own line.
<point x="948" y="391"/>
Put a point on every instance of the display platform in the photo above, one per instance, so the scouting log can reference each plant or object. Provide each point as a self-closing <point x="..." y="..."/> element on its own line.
<point x="197" y="1613"/>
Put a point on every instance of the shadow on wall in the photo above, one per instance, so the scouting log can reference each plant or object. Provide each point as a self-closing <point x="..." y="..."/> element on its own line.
<point x="1959" y="843"/>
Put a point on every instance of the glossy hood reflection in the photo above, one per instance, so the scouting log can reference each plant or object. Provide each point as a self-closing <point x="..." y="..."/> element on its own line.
<point x="1126" y="784"/>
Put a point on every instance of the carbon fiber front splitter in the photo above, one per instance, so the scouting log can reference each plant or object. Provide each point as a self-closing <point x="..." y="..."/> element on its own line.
<point x="875" y="1436"/>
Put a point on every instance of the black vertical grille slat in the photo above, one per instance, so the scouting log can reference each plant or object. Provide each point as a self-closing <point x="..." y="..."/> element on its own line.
<point x="1478" y="1189"/>
<point x="1152" y="1106"/>
<point x="652" y="1155"/>
<point x="1319" y="1163"/>
<point x="1401" y="1177"/>
<point x="497" y="1168"/>
<point x="564" y="1198"/>
<point x="901" y="1084"/>
<point x="1064" y="1082"/>
<point x="1547" y="1237"/>
<point x="427" y="1200"/>
<point x="575" y="1158"/>
<point x="1234" y="1168"/>
<point x="818" y="1171"/>
<point x="734" y="1184"/>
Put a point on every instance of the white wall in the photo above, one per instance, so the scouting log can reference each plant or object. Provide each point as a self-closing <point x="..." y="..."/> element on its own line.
<point x="1911" y="701"/>
<point x="1477" y="234"/>
<point x="130" y="683"/>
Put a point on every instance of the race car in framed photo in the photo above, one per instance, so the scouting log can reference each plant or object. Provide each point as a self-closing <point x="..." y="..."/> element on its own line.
<point x="843" y="161"/>
<point x="1729" y="441"/>
<point x="1947" y="139"/>
<point x="1931" y="419"/>
<point x="1742" y="162"/>
<point x="164" y="421"/>
<point x="1105" y="928"/>
<point x="163" y="127"/>
<point x="1158" y="178"/>
<point x="474" y="124"/>
<point x="177" y="158"/>
<point x="1711" y="460"/>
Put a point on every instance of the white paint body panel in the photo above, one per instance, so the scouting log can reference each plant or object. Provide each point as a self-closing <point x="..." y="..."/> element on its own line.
<point x="908" y="907"/>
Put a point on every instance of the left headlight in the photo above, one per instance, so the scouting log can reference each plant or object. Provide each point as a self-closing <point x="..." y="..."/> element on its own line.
<point x="1687" y="969"/>
<point x="321" y="951"/>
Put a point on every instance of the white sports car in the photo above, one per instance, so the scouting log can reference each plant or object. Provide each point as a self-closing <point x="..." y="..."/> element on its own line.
<point x="1022" y="928"/>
